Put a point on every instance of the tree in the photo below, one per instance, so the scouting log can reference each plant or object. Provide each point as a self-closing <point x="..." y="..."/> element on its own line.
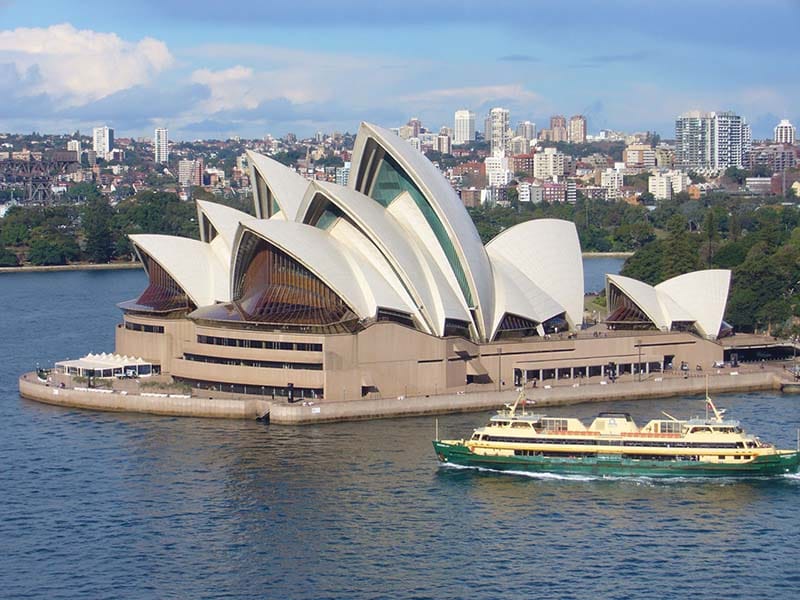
<point x="53" y="251"/>
<point x="8" y="258"/>
<point x="647" y="264"/>
<point x="97" y="217"/>
<point x="681" y="251"/>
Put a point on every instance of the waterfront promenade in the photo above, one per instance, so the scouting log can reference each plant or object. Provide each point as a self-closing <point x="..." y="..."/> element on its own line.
<point x="132" y="396"/>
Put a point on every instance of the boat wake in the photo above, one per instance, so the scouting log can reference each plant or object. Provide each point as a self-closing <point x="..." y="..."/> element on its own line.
<point x="634" y="479"/>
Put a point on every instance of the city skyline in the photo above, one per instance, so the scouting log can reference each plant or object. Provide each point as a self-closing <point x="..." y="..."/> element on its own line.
<point x="266" y="69"/>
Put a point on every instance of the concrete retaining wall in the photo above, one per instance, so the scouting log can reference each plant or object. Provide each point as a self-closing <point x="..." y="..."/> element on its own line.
<point x="480" y="401"/>
<point x="174" y="405"/>
<point x="292" y="414"/>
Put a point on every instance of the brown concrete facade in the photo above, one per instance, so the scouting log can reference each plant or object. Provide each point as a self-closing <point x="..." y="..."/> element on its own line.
<point x="389" y="360"/>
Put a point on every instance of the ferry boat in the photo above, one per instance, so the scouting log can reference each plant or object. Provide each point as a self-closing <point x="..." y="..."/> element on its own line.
<point x="613" y="445"/>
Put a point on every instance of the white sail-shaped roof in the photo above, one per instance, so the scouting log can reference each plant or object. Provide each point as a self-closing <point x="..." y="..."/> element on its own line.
<point x="419" y="274"/>
<point x="548" y="253"/>
<point x="644" y="296"/>
<point x="517" y="294"/>
<point x="699" y="297"/>
<point x="704" y="295"/>
<point x="352" y="277"/>
<point x="446" y="205"/>
<point x="191" y="263"/>
<point x="285" y="185"/>
<point x="225" y="221"/>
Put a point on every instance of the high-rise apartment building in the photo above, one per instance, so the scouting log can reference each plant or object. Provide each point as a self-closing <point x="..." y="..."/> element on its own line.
<point x="161" y="145"/>
<point x="612" y="181"/>
<point x="558" y="129"/>
<point x="527" y="130"/>
<point x="731" y="140"/>
<point x="519" y="145"/>
<point x="190" y="172"/>
<point x="712" y="140"/>
<point x="464" y="130"/>
<point x="498" y="129"/>
<point x="785" y="132"/>
<point x="443" y="143"/>
<point x="343" y="174"/>
<point x="74" y="146"/>
<point x="548" y="164"/>
<point x="663" y="185"/>
<point x="577" y="129"/>
<point x="639" y="156"/>
<point x="103" y="141"/>
<point x="497" y="171"/>
<point x="416" y="126"/>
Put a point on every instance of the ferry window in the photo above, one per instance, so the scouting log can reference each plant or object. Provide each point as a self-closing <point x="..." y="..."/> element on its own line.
<point x="670" y="427"/>
<point x="555" y="424"/>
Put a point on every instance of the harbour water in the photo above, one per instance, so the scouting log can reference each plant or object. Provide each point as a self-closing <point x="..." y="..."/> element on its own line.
<point x="104" y="505"/>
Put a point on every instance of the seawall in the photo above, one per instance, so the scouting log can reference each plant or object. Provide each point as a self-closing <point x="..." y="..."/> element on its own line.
<point x="556" y="396"/>
<point x="72" y="267"/>
<point x="177" y="405"/>
<point x="32" y="388"/>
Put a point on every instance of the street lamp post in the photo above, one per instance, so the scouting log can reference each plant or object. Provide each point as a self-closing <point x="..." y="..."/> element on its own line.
<point x="639" y="366"/>
<point x="499" y="369"/>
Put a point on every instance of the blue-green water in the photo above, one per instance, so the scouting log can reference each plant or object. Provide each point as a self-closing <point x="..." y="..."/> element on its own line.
<point x="101" y="505"/>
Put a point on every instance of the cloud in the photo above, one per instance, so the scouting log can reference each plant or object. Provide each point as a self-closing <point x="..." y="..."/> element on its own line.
<point x="476" y="94"/>
<point x="601" y="60"/>
<point x="75" y="67"/>
<point x="518" y="58"/>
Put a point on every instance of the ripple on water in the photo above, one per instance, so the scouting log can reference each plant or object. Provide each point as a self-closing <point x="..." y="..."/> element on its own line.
<point x="112" y="505"/>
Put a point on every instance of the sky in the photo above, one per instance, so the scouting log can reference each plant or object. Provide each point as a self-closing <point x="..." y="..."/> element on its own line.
<point x="211" y="69"/>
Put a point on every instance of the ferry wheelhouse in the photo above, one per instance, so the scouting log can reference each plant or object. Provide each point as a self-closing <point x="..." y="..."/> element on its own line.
<point x="613" y="444"/>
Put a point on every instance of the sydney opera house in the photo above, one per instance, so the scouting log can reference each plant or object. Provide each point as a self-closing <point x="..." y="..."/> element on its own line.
<point x="383" y="289"/>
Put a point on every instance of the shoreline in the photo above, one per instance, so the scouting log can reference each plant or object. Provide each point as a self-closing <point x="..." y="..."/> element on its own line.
<point x="72" y="267"/>
<point x="307" y="413"/>
<point x="607" y="254"/>
<point x="137" y="265"/>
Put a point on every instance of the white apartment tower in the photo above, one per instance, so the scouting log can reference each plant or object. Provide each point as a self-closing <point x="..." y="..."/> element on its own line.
<point x="74" y="146"/>
<point x="577" y="129"/>
<point x="464" y="130"/>
<point x="711" y="140"/>
<point x="161" y="145"/>
<point x="498" y="129"/>
<point x="785" y="132"/>
<point x="103" y="141"/>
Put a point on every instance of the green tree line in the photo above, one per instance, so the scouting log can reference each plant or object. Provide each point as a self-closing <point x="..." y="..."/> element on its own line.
<point x="92" y="230"/>
<point x="761" y="247"/>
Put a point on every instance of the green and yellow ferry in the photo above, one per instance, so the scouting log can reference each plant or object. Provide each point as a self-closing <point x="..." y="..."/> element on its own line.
<point x="517" y="440"/>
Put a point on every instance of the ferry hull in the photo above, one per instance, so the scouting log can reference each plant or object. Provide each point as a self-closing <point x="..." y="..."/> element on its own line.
<point x="614" y="466"/>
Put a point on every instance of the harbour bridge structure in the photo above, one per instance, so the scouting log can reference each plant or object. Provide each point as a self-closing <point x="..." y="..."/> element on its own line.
<point x="37" y="176"/>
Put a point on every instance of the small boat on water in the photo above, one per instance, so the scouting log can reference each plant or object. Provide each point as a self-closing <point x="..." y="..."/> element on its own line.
<point x="613" y="445"/>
